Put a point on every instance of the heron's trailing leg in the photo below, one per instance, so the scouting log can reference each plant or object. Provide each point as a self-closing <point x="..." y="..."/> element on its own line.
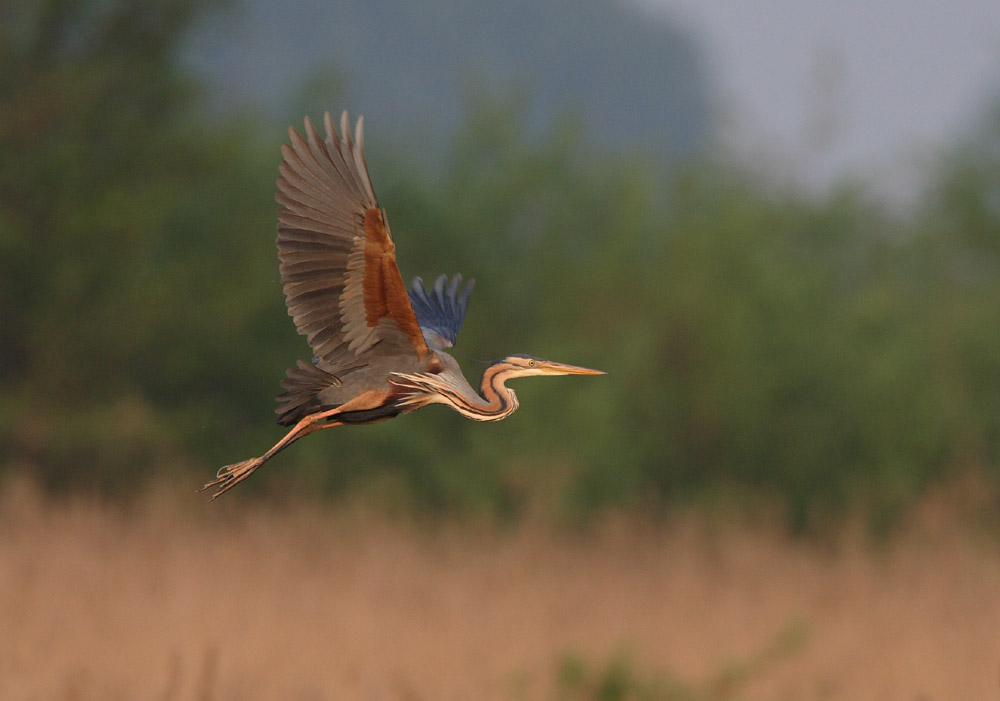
<point x="231" y="475"/>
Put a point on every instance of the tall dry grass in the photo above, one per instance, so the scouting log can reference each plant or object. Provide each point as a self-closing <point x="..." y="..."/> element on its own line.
<point x="172" y="599"/>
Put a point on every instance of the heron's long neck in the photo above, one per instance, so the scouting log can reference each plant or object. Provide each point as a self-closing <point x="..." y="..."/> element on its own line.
<point x="493" y="402"/>
<point x="496" y="400"/>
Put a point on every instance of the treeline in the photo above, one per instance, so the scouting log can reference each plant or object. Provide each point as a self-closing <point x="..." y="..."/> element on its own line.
<point x="822" y="352"/>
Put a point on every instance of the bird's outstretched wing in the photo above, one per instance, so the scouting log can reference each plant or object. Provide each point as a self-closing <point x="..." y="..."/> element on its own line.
<point x="338" y="260"/>
<point x="440" y="310"/>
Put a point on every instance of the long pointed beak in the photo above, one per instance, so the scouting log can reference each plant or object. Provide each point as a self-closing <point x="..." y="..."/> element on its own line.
<point x="550" y="368"/>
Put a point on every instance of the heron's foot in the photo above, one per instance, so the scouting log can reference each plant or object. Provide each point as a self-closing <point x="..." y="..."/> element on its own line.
<point x="231" y="475"/>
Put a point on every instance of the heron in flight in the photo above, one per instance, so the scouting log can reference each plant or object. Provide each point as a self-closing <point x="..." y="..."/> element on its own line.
<point x="379" y="349"/>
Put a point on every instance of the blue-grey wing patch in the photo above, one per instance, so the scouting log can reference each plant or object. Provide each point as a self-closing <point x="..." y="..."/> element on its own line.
<point x="440" y="310"/>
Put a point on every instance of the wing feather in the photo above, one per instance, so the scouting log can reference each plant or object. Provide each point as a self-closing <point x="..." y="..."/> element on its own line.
<point x="338" y="262"/>
<point x="441" y="311"/>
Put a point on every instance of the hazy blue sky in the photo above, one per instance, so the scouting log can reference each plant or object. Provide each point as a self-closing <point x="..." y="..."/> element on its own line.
<point x="868" y="87"/>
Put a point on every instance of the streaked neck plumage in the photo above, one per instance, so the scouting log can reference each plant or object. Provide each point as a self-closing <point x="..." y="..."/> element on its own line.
<point x="496" y="401"/>
<point x="493" y="402"/>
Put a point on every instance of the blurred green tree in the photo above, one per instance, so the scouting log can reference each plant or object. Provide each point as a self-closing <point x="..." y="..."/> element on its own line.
<point x="117" y="208"/>
<point x="821" y="353"/>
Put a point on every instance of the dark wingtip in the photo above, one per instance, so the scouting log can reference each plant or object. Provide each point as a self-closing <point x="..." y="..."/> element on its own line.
<point x="441" y="308"/>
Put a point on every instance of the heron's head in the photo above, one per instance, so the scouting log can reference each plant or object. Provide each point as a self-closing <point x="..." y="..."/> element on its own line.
<point x="519" y="365"/>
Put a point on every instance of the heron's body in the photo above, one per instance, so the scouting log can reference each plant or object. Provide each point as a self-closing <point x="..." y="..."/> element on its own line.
<point x="379" y="349"/>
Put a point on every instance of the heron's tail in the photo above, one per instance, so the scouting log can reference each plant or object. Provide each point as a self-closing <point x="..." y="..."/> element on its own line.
<point x="301" y="386"/>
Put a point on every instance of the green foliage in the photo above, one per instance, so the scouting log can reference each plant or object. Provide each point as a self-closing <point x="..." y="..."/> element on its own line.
<point x="126" y="274"/>
<point x="616" y="681"/>
<point x="825" y="354"/>
<point x="578" y="679"/>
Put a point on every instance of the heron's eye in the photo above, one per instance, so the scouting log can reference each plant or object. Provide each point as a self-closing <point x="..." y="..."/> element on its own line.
<point x="531" y="363"/>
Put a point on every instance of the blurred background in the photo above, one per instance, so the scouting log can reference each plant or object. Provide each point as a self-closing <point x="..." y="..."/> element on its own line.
<point x="783" y="249"/>
<point x="776" y="226"/>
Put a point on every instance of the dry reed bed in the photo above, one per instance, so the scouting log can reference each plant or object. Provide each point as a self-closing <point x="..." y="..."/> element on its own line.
<point x="248" y="602"/>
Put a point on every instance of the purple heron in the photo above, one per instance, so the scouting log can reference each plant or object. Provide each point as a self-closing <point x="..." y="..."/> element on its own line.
<point x="379" y="349"/>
